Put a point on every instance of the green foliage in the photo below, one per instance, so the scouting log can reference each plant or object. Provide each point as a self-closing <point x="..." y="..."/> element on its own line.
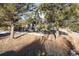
<point x="66" y="24"/>
<point x="74" y="27"/>
<point x="57" y="13"/>
<point x="40" y="25"/>
<point x="8" y="12"/>
<point x="54" y="13"/>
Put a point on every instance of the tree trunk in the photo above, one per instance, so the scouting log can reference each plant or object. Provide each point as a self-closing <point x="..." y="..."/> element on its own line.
<point x="12" y="32"/>
<point x="57" y="33"/>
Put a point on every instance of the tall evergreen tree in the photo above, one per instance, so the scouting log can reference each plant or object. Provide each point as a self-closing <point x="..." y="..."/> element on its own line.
<point x="11" y="13"/>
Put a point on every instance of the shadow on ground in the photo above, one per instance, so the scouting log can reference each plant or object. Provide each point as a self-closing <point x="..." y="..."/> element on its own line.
<point x="19" y="36"/>
<point x="2" y="35"/>
<point x="36" y="48"/>
<point x="62" y="33"/>
<point x="33" y="49"/>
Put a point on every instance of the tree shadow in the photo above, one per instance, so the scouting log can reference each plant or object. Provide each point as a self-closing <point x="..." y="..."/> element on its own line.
<point x="6" y="34"/>
<point x="62" y="33"/>
<point x="8" y="53"/>
<point x="34" y="49"/>
<point x="40" y="48"/>
<point x="19" y="36"/>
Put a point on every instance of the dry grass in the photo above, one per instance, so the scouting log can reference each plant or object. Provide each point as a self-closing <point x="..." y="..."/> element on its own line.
<point x="56" y="47"/>
<point x="7" y="44"/>
<point x="75" y="43"/>
<point x="51" y="46"/>
<point x="74" y="40"/>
